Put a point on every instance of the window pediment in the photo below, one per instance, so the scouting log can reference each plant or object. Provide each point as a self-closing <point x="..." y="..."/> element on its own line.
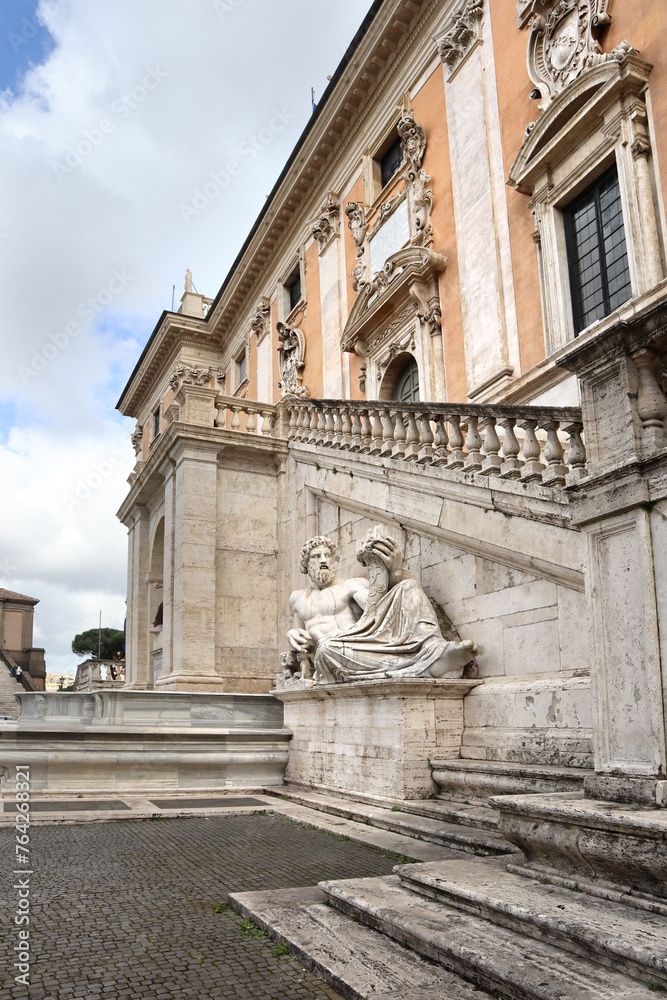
<point x="578" y="108"/>
<point x="408" y="275"/>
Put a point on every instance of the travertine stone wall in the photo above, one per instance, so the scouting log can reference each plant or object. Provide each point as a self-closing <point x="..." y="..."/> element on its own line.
<point x="246" y="570"/>
<point x="9" y="688"/>
<point x="534" y="706"/>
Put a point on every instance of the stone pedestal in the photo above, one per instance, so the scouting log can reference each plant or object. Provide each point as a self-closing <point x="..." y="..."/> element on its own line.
<point x="373" y="737"/>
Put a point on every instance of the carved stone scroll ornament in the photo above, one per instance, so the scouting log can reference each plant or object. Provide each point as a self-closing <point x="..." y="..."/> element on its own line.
<point x="356" y="222"/>
<point x="463" y="30"/>
<point x="325" y="227"/>
<point x="137" y="439"/>
<point x="259" y="323"/>
<point x="182" y="374"/>
<point x="413" y="141"/>
<point x="291" y="355"/>
<point x="563" y="42"/>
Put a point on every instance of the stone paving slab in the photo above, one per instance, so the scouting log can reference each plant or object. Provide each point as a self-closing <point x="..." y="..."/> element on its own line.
<point x="125" y="910"/>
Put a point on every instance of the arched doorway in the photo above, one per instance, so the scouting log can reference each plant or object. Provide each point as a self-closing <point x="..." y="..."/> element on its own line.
<point x="401" y="380"/>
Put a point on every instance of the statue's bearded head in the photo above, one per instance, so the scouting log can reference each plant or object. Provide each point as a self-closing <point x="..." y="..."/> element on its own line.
<point x="317" y="560"/>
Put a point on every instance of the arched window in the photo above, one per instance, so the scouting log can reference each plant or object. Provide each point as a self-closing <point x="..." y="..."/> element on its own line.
<point x="406" y="389"/>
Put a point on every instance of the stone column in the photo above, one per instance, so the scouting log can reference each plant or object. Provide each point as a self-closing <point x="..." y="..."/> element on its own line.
<point x="621" y="508"/>
<point x="192" y="489"/>
<point x="136" y="644"/>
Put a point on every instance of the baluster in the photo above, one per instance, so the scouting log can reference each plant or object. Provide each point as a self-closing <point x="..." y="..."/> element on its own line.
<point x="356" y="431"/>
<point x="312" y="433"/>
<point x="236" y="420"/>
<point x="347" y="428"/>
<point x="328" y="427"/>
<point x="651" y="403"/>
<point x="492" y="460"/>
<point x="292" y="427"/>
<point x="366" y="431"/>
<point x="555" y="472"/>
<point x="337" y="436"/>
<point x="533" y="468"/>
<point x="425" y="439"/>
<point x="220" y="414"/>
<point x="251" y="420"/>
<point x="512" y="464"/>
<point x="269" y="420"/>
<point x="441" y="440"/>
<point x="398" y="451"/>
<point x="387" y="433"/>
<point x="457" y="454"/>
<point x="321" y="427"/>
<point x="576" y="453"/>
<point x="473" y="461"/>
<point x="376" y="432"/>
<point x="411" y="438"/>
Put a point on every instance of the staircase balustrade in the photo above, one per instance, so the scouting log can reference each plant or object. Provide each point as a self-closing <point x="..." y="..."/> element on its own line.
<point x="531" y="444"/>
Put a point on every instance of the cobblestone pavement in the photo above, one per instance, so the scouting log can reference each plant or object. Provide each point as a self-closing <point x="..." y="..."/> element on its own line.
<point x="126" y="909"/>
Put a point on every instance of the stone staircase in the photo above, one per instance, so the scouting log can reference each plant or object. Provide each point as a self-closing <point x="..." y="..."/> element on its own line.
<point x="9" y="688"/>
<point x="465" y="926"/>
<point x="460" y="826"/>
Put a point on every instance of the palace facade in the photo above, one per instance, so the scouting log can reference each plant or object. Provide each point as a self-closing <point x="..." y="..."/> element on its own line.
<point x="448" y="318"/>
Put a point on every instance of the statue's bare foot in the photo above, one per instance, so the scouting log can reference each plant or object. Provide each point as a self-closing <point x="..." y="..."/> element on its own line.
<point x="454" y="659"/>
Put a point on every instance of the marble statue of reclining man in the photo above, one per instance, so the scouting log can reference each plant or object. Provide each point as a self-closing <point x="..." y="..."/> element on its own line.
<point x="363" y="629"/>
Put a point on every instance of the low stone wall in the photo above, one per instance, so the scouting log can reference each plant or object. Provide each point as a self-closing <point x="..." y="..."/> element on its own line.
<point x="140" y="742"/>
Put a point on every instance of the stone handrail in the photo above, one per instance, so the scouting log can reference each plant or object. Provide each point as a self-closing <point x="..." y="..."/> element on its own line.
<point x="476" y="438"/>
<point x="241" y="415"/>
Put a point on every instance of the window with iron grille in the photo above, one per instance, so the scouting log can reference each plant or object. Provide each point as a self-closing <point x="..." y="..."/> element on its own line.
<point x="596" y="252"/>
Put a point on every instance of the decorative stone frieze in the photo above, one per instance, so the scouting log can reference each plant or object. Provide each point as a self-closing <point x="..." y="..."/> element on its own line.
<point x="291" y="354"/>
<point x="325" y="227"/>
<point x="184" y="375"/>
<point x="463" y="31"/>
<point x="259" y="323"/>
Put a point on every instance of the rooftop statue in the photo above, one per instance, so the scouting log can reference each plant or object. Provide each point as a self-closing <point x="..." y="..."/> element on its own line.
<point x="363" y="629"/>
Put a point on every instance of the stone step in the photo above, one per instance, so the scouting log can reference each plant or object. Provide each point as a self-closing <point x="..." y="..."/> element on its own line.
<point x="493" y="957"/>
<point x="615" y="934"/>
<point x="476" y="780"/>
<point x="358" y="962"/>
<point x="397" y="819"/>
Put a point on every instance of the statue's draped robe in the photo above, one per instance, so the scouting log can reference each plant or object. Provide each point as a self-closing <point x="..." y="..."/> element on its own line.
<point x="399" y="635"/>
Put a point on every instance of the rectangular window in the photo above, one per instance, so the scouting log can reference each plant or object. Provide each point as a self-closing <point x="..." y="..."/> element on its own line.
<point x="156" y="422"/>
<point x="293" y="286"/>
<point x="390" y="161"/>
<point x="241" y="369"/>
<point x="596" y="252"/>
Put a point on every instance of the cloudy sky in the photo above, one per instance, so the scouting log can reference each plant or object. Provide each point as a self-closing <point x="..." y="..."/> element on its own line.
<point x="112" y="117"/>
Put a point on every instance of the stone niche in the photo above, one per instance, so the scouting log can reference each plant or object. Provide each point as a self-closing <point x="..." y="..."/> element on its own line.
<point x="373" y="737"/>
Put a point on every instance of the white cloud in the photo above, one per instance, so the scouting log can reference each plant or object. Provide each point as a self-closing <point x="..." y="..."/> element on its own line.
<point x="134" y="109"/>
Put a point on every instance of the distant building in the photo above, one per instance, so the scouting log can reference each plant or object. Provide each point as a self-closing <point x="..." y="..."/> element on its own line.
<point x="16" y="625"/>
<point x="59" y="682"/>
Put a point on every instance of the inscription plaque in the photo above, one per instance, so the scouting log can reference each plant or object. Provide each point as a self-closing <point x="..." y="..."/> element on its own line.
<point x="391" y="236"/>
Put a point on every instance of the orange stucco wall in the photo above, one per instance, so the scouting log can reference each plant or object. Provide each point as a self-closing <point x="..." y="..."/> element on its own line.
<point x="429" y="109"/>
<point x="312" y="324"/>
<point x="516" y="110"/>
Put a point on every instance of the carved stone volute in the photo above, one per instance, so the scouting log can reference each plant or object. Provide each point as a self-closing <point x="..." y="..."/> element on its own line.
<point x="259" y="323"/>
<point x="184" y="375"/>
<point x="413" y="141"/>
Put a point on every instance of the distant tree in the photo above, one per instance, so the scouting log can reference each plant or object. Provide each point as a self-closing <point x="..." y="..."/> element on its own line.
<point x="86" y="644"/>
